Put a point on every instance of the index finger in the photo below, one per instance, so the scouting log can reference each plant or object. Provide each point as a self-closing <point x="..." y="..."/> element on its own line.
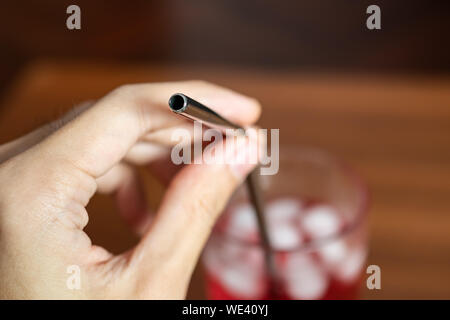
<point x="232" y="105"/>
<point x="101" y="136"/>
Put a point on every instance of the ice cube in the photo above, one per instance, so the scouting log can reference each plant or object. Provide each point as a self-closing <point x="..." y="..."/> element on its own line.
<point x="243" y="220"/>
<point x="239" y="268"/>
<point x="351" y="267"/>
<point x="242" y="282"/>
<point x="284" y="236"/>
<point x="245" y="277"/>
<point x="321" y="221"/>
<point x="283" y="209"/>
<point x="333" y="252"/>
<point x="304" y="278"/>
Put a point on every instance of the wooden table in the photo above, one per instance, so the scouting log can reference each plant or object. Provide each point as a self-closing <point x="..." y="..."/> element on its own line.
<point x="394" y="130"/>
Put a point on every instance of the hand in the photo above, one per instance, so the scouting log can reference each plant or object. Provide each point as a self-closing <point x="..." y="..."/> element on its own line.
<point x="48" y="176"/>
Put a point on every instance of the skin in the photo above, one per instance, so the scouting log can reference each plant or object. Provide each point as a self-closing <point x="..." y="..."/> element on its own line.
<point x="49" y="175"/>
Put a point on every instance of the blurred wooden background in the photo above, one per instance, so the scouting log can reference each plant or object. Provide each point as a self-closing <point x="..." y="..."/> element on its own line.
<point x="379" y="99"/>
<point x="394" y="130"/>
<point x="323" y="34"/>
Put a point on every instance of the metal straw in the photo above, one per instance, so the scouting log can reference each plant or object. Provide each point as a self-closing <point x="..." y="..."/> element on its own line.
<point x="194" y="110"/>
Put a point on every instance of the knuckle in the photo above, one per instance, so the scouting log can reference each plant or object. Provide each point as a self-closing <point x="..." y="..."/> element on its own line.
<point x="52" y="192"/>
<point x="73" y="217"/>
<point x="203" y="206"/>
<point x="202" y="210"/>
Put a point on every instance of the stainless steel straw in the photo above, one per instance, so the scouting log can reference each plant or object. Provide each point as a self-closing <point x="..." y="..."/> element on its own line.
<point x="194" y="110"/>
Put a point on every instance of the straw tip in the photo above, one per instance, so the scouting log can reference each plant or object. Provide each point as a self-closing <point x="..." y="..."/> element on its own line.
<point x="178" y="102"/>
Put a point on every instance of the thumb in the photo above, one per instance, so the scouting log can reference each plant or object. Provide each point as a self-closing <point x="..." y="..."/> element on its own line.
<point x="193" y="201"/>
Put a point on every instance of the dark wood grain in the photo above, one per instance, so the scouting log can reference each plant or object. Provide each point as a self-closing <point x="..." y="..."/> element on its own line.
<point x="395" y="131"/>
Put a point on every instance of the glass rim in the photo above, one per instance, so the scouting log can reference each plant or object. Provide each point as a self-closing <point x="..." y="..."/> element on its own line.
<point x="360" y="216"/>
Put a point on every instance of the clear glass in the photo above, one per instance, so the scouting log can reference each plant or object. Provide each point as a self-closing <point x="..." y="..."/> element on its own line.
<point x="316" y="210"/>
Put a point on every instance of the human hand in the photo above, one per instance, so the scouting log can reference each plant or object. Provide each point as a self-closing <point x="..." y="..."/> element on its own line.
<point x="49" y="175"/>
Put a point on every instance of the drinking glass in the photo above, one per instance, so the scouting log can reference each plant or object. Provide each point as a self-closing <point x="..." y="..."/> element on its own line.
<point x="316" y="212"/>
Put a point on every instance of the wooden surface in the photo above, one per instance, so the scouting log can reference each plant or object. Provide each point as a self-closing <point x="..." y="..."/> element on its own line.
<point x="394" y="130"/>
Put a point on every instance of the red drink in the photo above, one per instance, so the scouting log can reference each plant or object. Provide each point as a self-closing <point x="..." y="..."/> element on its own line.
<point x="319" y="246"/>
